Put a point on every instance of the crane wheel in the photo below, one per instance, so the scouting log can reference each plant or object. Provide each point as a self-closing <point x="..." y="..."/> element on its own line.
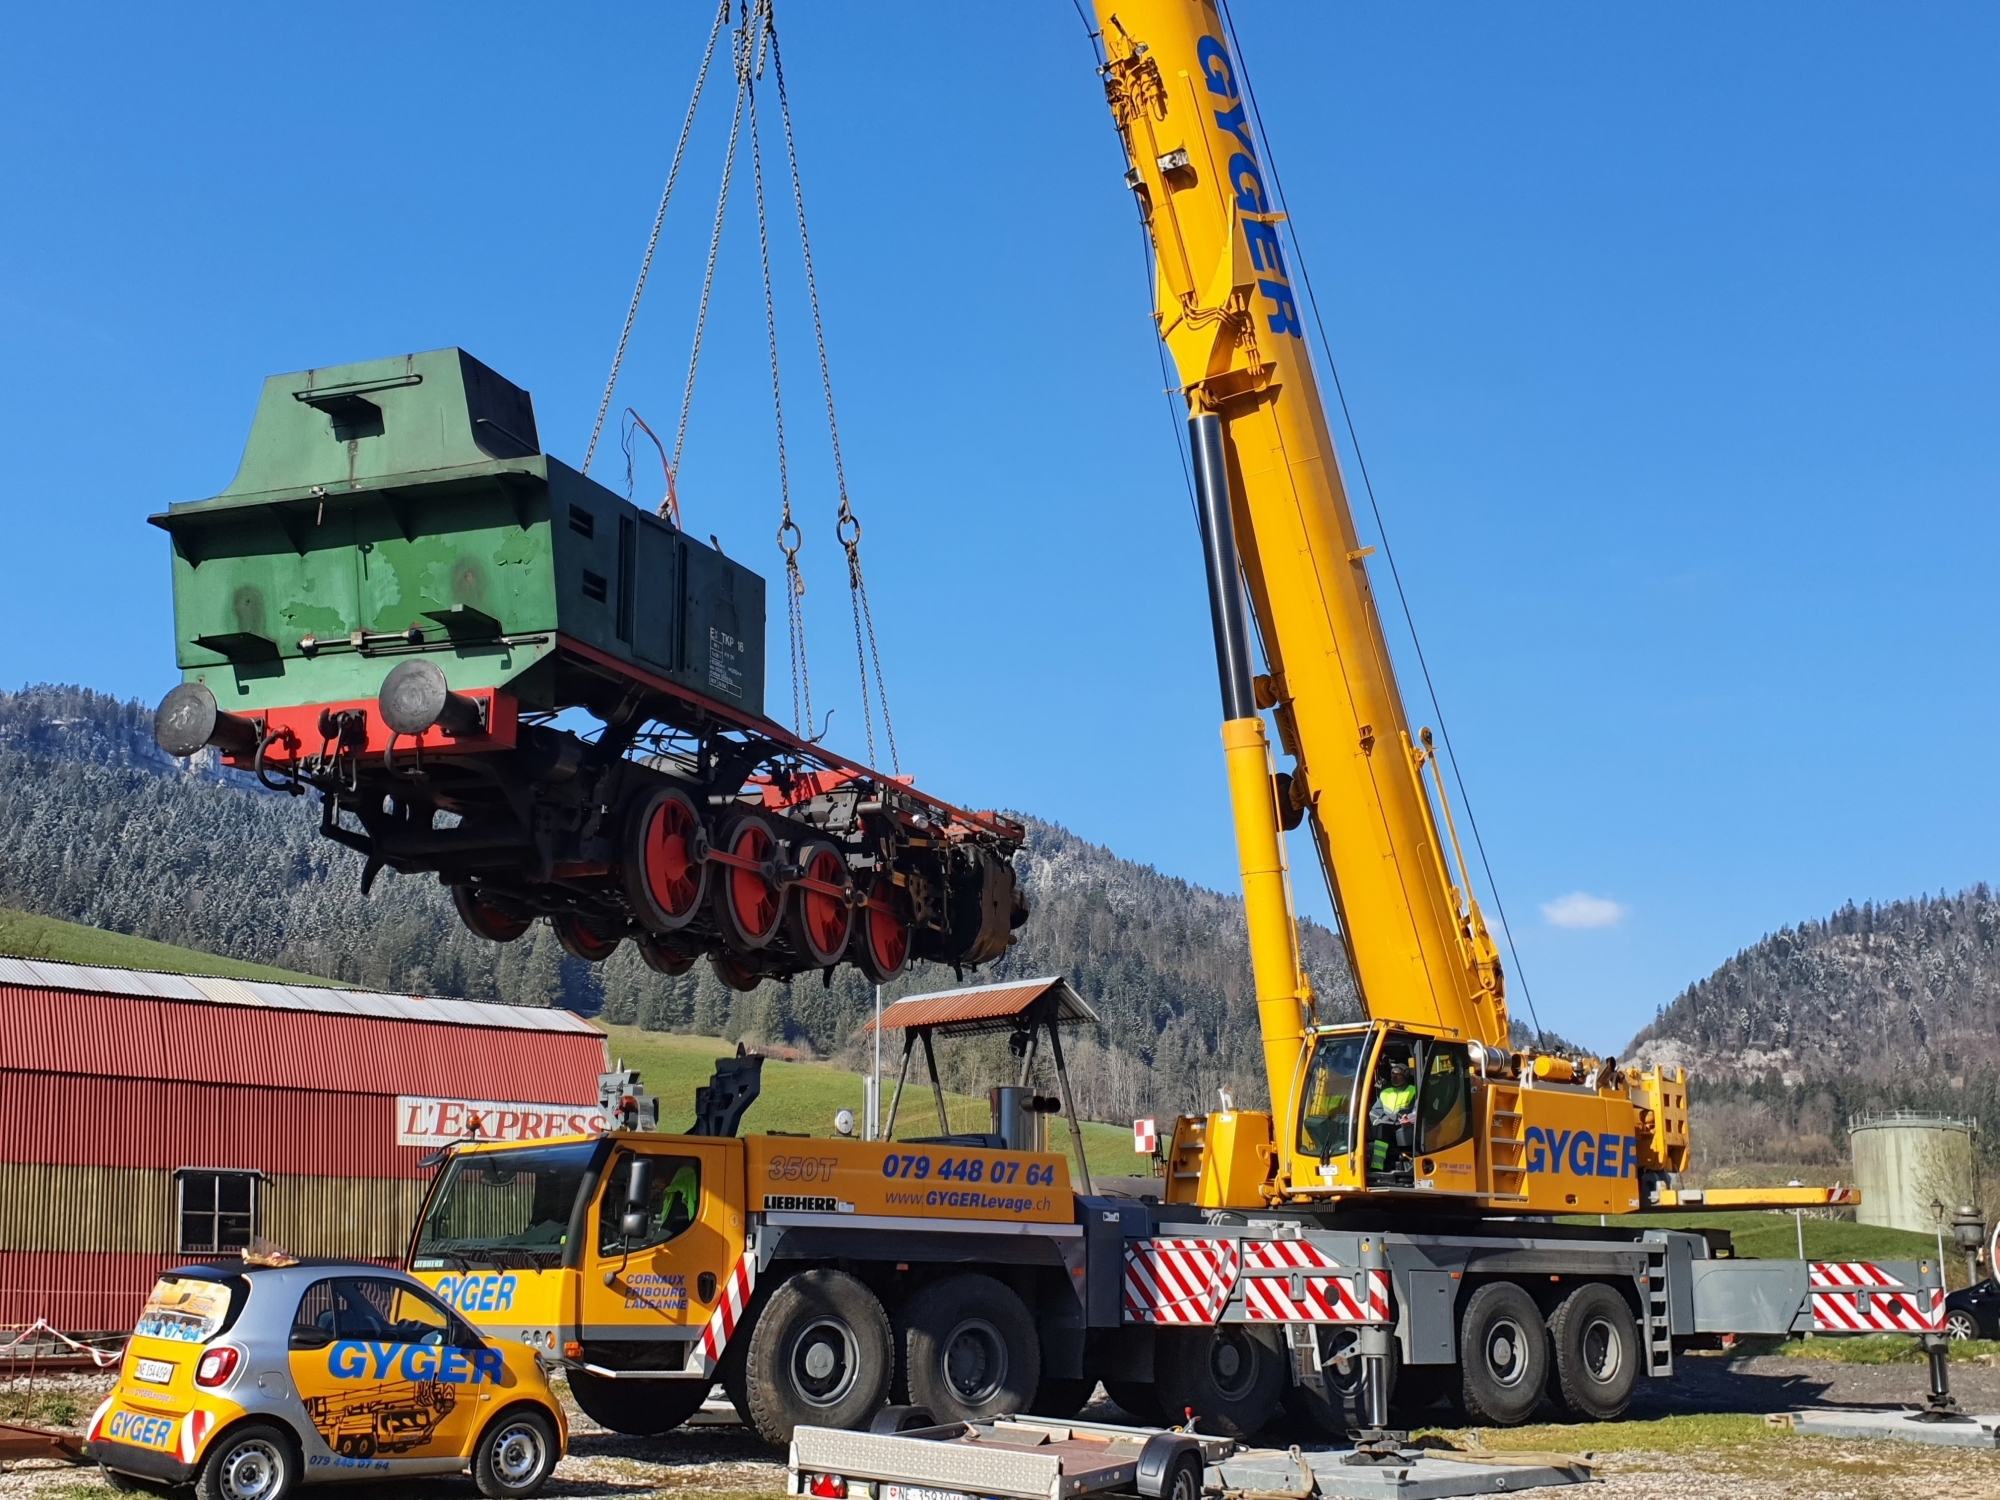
<point x="665" y="867"/>
<point x="1062" y="1396"/>
<point x="1231" y="1377"/>
<point x="485" y="919"/>
<point x="1138" y="1398"/>
<point x="637" y="1408"/>
<point x="662" y="955"/>
<point x="819" y="1356"/>
<point x="1597" y="1353"/>
<point x="882" y="943"/>
<point x="970" y="1351"/>
<point x="1503" y="1355"/>
<point x="748" y="904"/>
<point x="818" y="924"/>
<point x="586" y="938"/>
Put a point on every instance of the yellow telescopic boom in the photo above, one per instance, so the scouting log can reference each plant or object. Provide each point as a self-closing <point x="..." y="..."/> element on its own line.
<point x="1228" y="312"/>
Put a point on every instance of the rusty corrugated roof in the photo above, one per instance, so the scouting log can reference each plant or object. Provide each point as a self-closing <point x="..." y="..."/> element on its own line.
<point x="41" y="974"/>
<point x="986" y="1007"/>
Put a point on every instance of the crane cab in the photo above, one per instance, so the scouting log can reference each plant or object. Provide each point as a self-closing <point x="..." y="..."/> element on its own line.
<point x="1385" y="1109"/>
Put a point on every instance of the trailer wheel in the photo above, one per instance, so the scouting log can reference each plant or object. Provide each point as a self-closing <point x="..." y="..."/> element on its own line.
<point x="637" y="1408"/>
<point x="1183" y="1478"/>
<point x="1503" y="1355"/>
<point x="1596" y="1342"/>
<point x="586" y="938"/>
<point x="1230" y="1377"/>
<point x="819" y="924"/>
<point x="970" y="1350"/>
<point x="485" y="919"/>
<point x="748" y="905"/>
<point x="819" y="1356"/>
<point x="665" y="870"/>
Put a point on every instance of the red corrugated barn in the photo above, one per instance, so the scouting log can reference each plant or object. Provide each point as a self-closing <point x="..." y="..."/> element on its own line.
<point x="151" y="1119"/>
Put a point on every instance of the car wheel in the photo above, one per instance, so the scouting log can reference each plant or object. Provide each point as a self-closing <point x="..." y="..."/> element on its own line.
<point x="254" y="1462"/>
<point x="1960" y="1324"/>
<point x="515" y="1455"/>
<point x="1503" y="1350"/>
<point x="820" y="1356"/>
<point x="970" y="1350"/>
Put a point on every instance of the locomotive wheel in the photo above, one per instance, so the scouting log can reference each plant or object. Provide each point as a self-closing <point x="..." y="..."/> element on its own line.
<point x="733" y="971"/>
<point x="884" y="940"/>
<point x="484" y="918"/>
<point x="663" y="956"/>
<point x="581" y="937"/>
<point x="819" y="925"/>
<point x="665" y="867"/>
<point x="748" y="905"/>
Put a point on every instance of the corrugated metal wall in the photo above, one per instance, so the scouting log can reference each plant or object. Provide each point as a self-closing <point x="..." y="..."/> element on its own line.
<point x="103" y="1097"/>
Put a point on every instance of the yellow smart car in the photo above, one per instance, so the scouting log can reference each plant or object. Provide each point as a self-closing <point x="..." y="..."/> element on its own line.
<point x="246" y="1381"/>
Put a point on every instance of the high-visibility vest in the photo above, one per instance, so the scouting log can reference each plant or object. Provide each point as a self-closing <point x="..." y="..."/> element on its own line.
<point x="1397" y="1100"/>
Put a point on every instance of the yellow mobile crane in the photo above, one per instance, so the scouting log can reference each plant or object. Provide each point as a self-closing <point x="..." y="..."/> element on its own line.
<point x="1428" y="1097"/>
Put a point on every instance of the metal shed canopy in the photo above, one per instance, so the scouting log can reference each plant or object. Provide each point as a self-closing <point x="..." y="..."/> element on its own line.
<point x="1018" y="1005"/>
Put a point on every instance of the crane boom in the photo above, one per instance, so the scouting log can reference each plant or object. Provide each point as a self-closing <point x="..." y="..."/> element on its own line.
<point x="1229" y="314"/>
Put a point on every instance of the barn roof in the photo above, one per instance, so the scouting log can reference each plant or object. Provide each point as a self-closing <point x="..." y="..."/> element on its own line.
<point x="989" y="1007"/>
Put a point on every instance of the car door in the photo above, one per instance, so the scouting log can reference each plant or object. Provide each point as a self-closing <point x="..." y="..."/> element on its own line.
<point x="390" y="1379"/>
<point x="661" y="1284"/>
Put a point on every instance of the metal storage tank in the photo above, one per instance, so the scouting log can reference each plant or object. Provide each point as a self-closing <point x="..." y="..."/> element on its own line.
<point x="149" y="1120"/>
<point x="1904" y="1162"/>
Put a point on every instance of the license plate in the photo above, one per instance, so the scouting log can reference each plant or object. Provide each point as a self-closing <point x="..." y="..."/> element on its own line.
<point x="921" y="1492"/>
<point x="155" y="1371"/>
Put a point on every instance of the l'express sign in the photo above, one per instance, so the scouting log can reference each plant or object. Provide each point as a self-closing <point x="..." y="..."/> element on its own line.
<point x="442" y="1122"/>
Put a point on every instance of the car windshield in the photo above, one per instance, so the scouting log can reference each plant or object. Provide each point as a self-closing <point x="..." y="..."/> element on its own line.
<point x="505" y="1207"/>
<point x="1326" y="1107"/>
<point x="187" y="1308"/>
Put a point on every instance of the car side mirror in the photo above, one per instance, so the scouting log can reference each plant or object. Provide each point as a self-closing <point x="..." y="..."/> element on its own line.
<point x="633" y="1226"/>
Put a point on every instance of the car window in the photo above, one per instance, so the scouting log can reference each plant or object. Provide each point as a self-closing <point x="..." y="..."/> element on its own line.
<point x="1444" y="1110"/>
<point x="673" y="1201"/>
<point x="377" y="1309"/>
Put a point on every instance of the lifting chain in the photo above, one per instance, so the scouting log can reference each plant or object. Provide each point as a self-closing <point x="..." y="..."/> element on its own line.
<point x="653" y="240"/>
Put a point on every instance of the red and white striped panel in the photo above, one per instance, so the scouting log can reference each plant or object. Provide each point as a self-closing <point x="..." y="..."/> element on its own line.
<point x="1848" y="1273"/>
<point x="1327" y="1299"/>
<point x="707" y="1354"/>
<point x="1179" y="1281"/>
<point x="1862" y="1310"/>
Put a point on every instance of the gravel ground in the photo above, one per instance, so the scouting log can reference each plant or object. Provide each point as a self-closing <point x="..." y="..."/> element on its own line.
<point x="724" y="1462"/>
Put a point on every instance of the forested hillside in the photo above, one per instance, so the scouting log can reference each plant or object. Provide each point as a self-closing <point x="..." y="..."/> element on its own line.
<point x="1876" y="1007"/>
<point x="97" y="826"/>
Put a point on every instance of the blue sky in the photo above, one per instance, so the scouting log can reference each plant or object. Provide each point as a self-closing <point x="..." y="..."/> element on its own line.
<point x="1669" y="333"/>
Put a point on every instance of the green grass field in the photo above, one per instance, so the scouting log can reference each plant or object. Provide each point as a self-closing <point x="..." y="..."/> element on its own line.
<point x="25" y="936"/>
<point x="804" y="1096"/>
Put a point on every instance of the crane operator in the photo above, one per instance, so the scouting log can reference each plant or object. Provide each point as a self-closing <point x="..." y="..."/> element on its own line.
<point x="1395" y="1106"/>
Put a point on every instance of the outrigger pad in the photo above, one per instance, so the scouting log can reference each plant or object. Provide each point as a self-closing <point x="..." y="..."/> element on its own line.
<point x="719" y="1103"/>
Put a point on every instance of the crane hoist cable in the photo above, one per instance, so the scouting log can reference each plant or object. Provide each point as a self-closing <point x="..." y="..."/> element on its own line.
<point x="753" y="46"/>
<point x="1368" y="487"/>
<point x="653" y="240"/>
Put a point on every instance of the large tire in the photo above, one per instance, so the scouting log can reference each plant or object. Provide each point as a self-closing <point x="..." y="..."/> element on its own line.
<point x="820" y="1356"/>
<point x="516" y="1455"/>
<point x="1503" y="1353"/>
<point x="1061" y="1396"/>
<point x="970" y="1351"/>
<point x="257" y="1461"/>
<point x="1140" y="1399"/>
<point x="637" y="1408"/>
<point x="1231" y="1378"/>
<point x="1597" y="1352"/>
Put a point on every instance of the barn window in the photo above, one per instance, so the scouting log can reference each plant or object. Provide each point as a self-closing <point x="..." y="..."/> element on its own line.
<point x="218" y="1210"/>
